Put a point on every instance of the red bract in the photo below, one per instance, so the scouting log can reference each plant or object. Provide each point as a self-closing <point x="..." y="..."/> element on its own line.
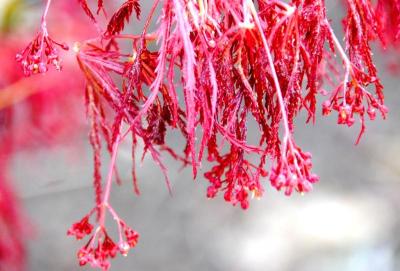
<point x="219" y="68"/>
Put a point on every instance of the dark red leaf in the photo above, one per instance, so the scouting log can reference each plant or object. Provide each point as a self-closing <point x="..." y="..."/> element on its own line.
<point x="87" y="10"/>
<point x="123" y="14"/>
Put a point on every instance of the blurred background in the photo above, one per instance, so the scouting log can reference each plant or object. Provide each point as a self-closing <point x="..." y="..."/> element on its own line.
<point x="350" y="222"/>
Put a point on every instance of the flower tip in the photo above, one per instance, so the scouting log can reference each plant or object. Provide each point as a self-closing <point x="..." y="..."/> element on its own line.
<point x="384" y="109"/>
<point x="124" y="248"/>
<point x="371" y="113"/>
<point x="245" y="204"/>
<point x="64" y="46"/>
<point x="211" y="192"/>
<point x="326" y="107"/>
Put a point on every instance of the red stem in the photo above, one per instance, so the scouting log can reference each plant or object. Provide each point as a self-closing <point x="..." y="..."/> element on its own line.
<point x="46" y="10"/>
<point x="107" y="191"/>
<point x="345" y="59"/>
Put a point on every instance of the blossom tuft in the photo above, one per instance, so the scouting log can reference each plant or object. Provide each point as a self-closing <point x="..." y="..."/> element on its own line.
<point x="40" y="53"/>
<point x="81" y="228"/>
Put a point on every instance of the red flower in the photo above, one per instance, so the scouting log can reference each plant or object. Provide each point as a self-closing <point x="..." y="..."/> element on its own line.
<point x="98" y="252"/>
<point x="293" y="171"/>
<point x="40" y="53"/>
<point x="100" y="247"/>
<point x="81" y="228"/>
<point x="108" y="247"/>
<point x="132" y="237"/>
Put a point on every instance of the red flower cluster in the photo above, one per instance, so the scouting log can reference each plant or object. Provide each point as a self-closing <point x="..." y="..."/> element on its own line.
<point x="40" y="53"/>
<point x="236" y="176"/>
<point x="81" y="228"/>
<point x="131" y="237"/>
<point x="293" y="171"/>
<point x="100" y="248"/>
<point x="98" y="256"/>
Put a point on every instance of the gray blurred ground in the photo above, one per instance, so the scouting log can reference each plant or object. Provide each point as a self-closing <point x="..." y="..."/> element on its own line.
<point x="350" y="222"/>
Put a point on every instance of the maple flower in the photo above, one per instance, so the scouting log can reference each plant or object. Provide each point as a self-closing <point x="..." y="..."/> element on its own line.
<point x="100" y="247"/>
<point x="81" y="228"/>
<point x="98" y="251"/>
<point x="293" y="171"/>
<point x="131" y="239"/>
<point x="42" y="51"/>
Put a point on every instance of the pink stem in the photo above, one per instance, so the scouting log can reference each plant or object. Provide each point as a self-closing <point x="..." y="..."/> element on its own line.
<point x="147" y="23"/>
<point x="150" y="36"/>
<point x="273" y="71"/>
<point x="345" y="59"/>
<point x="109" y="180"/>
<point x="46" y="10"/>
<point x="286" y="139"/>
